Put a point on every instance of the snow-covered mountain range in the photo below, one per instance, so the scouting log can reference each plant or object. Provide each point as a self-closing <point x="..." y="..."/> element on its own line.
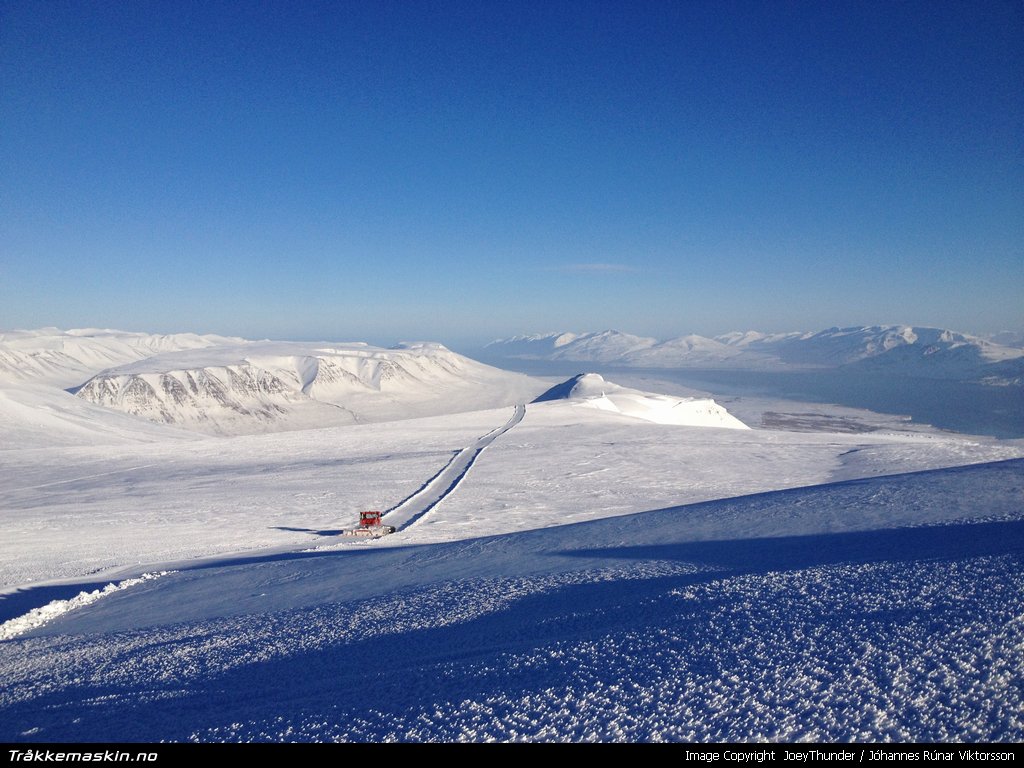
<point x="902" y="349"/>
<point x="67" y="358"/>
<point x="240" y="387"/>
<point x="222" y="385"/>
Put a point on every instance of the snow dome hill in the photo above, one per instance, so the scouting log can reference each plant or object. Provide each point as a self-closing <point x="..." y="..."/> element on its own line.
<point x="591" y="390"/>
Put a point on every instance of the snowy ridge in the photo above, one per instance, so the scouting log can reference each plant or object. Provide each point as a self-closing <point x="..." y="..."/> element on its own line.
<point x="896" y="343"/>
<point x="66" y="358"/>
<point x="534" y="345"/>
<point x="591" y="390"/>
<point x="909" y="350"/>
<point x="691" y="350"/>
<point x="268" y="386"/>
<point x="1008" y="339"/>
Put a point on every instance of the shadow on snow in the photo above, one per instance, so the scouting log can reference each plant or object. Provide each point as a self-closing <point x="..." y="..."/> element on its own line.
<point x="404" y="673"/>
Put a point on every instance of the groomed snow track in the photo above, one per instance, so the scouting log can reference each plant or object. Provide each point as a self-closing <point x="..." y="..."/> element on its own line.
<point x="69" y="595"/>
<point x="435" y="490"/>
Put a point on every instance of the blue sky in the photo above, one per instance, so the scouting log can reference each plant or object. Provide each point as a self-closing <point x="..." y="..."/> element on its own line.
<point x="461" y="171"/>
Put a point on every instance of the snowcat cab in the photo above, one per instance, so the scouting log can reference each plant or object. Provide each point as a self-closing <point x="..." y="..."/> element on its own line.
<point x="370" y="525"/>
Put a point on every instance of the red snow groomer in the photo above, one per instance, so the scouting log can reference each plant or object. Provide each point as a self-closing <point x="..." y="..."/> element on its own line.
<point x="370" y="526"/>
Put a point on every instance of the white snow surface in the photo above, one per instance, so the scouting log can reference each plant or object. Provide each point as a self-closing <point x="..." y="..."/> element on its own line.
<point x="888" y="609"/>
<point x="69" y="512"/>
<point x="72" y="511"/>
<point x="571" y="569"/>
<point x="40" y="417"/>
<point x="37" y="617"/>
<point x="67" y="358"/>
<point x="591" y="390"/>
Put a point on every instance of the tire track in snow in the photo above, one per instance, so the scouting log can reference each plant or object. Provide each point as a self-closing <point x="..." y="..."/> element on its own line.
<point x="404" y="514"/>
<point x="436" y="489"/>
<point x="85" y="477"/>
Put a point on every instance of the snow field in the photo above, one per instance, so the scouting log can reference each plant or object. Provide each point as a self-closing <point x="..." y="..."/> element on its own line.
<point x="70" y="512"/>
<point x="564" y="464"/>
<point x="581" y="633"/>
<point x="74" y="511"/>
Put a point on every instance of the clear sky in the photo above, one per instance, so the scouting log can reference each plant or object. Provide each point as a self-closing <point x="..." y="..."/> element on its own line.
<point x="465" y="170"/>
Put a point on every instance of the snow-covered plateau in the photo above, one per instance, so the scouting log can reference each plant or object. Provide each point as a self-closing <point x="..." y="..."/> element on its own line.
<point x="575" y="560"/>
<point x="269" y="386"/>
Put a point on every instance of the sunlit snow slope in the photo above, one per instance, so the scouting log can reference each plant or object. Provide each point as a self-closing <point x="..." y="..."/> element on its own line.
<point x="67" y="358"/>
<point x="46" y="417"/>
<point x="591" y="390"/>
<point x="269" y="386"/>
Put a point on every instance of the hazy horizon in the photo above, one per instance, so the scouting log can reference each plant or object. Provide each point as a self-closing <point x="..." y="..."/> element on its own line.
<point x="468" y="344"/>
